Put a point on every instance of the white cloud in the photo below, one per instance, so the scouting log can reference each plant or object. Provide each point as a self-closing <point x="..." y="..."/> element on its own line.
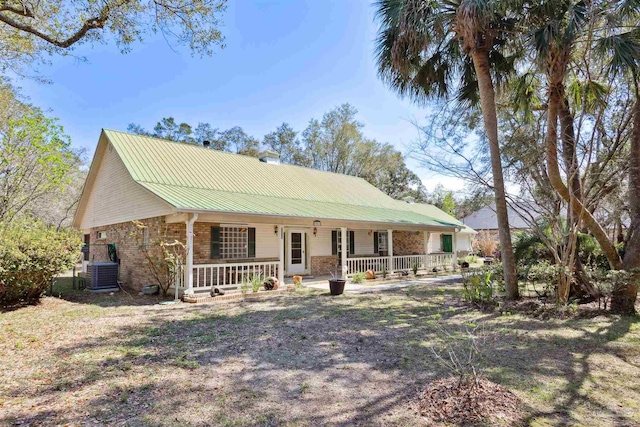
<point x="449" y="183"/>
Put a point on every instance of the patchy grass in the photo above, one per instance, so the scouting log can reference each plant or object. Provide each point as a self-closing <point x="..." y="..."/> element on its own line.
<point x="298" y="359"/>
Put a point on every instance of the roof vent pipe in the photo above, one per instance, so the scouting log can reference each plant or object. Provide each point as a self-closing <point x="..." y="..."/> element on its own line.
<point x="206" y="144"/>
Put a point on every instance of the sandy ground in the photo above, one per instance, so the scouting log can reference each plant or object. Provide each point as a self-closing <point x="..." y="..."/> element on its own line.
<point x="301" y="359"/>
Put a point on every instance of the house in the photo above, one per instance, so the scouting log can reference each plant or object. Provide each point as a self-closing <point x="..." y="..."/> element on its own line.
<point x="526" y="213"/>
<point x="486" y="220"/>
<point x="240" y="216"/>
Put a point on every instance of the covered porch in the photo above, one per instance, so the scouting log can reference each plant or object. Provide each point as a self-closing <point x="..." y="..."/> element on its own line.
<point x="226" y="252"/>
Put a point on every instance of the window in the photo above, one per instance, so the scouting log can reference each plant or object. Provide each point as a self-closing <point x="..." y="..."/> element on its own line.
<point x="336" y="242"/>
<point x="101" y="235"/>
<point x="381" y="243"/>
<point x="234" y="242"/>
<point x="348" y="242"/>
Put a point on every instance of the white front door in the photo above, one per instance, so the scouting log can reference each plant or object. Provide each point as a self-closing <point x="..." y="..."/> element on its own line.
<point x="297" y="254"/>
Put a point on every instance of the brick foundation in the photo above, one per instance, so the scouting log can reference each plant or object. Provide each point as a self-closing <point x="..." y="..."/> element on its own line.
<point x="324" y="265"/>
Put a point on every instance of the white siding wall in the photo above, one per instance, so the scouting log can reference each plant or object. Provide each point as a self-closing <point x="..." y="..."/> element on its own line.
<point x="364" y="242"/>
<point x="116" y="197"/>
<point x="267" y="244"/>
<point x="463" y="242"/>
<point x="320" y="244"/>
<point x="435" y="242"/>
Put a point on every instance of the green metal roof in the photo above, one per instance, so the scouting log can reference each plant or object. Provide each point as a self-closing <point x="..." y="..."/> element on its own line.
<point x="194" y="178"/>
<point x="438" y="214"/>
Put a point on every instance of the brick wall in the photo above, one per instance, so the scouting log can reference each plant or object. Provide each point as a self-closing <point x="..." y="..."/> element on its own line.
<point x="323" y="265"/>
<point x="134" y="271"/>
<point x="134" y="267"/>
<point x="408" y="243"/>
<point x="202" y="245"/>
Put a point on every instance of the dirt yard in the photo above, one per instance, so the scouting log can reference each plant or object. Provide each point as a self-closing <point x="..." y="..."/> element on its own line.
<point x="301" y="359"/>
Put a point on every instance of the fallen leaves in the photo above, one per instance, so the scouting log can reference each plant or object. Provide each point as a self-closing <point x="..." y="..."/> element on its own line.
<point x="468" y="402"/>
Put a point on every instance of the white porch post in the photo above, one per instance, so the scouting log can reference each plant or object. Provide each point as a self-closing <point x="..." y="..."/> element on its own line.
<point x="281" y="257"/>
<point x="343" y="251"/>
<point x="188" y="269"/>
<point x="427" y="239"/>
<point x="455" y="249"/>
<point x="390" y="244"/>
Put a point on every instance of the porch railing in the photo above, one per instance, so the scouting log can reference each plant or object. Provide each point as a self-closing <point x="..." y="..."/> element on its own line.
<point x="407" y="262"/>
<point x="229" y="276"/>
<point x="438" y="260"/>
<point x="403" y="262"/>
<point x="360" y="265"/>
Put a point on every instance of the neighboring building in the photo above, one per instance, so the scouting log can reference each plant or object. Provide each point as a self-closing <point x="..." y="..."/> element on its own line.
<point x="486" y="219"/>
<point x="239" y="215"/>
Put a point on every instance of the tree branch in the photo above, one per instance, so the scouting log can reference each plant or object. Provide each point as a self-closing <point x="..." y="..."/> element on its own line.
<point x="88" y="25"/>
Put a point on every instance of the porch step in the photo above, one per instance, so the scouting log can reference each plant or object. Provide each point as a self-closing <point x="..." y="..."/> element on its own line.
<point x="200" y="298"/>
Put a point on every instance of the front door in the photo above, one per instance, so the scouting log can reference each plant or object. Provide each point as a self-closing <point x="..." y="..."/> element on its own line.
<point x="297" y="254"/>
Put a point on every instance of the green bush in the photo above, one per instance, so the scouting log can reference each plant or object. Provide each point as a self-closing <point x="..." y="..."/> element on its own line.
<point x="544" y="274"/>
<point x="497" y="275"/>
<point x="256" y="283"/>
<point x="31" y="255"/>
<point x="478" y="285"/>
<point x="358" y="278"/>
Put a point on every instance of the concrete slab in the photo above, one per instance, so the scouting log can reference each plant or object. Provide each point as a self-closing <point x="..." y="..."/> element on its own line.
<point x="362" y="289"/>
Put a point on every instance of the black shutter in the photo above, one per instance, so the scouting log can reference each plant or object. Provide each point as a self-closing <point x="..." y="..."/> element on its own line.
<point x="215" y="242"/>
<point x="375" y="242"/>
<point x="352" y="242"/>
<point x="334" y="242"/>
<point x="252" y="243"/>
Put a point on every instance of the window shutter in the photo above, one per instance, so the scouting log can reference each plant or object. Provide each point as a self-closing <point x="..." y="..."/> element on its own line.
<point x="334" y="242"/>
<point x="252" y="243"/>
<point x="352" y="242"/>
<point x="375" y="242"/>
<point x="215" y="242"/>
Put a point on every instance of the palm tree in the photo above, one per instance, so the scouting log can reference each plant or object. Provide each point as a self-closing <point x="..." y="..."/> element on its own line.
<point x="556" y="26"/>
<point x="621" y="44"/>
<point x="423" y="46"/>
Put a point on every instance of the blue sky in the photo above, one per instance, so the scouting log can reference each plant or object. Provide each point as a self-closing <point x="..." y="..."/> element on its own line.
<point x="284" y="61"/>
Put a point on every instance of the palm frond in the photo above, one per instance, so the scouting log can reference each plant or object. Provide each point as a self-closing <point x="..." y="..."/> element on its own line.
<point x="623" y="49"/>
<point x="587" y="95"/>
<point x="419" y="52"/>
<point x="524" y="94"/>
